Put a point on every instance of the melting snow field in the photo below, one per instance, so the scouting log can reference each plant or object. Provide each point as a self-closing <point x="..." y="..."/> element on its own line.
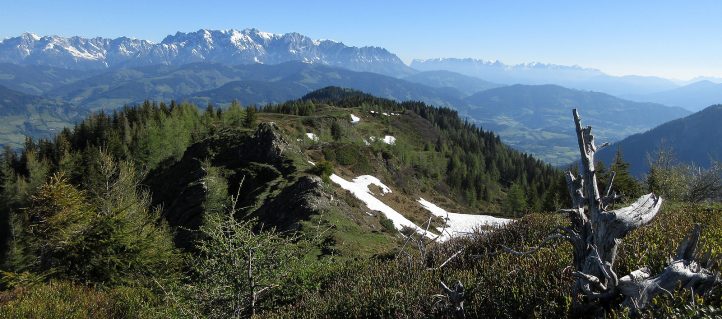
<point x="460" y="224"/>
<point x="456" y="224"/>
<point x="355" y="119"/>
<point x="312" y="136"/>
<point x="359" y="187"/>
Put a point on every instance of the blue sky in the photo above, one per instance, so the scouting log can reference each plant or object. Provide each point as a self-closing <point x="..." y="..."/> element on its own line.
<point x="677" y="39"/>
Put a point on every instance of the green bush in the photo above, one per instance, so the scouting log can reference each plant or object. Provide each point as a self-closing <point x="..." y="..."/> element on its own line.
<point x="236" y="269"/>
<point x="347" y="154"/>
<point x="387" y="224"/>
<point x="323" y="169"/>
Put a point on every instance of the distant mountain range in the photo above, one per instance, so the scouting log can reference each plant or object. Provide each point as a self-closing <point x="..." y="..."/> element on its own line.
<point x="70" y="55"/>
<point x="540" y="73"/>
<point x="696" y="139"/>
<point x="694" y="96"/>
<point x="447" y="79"/>
<point x="218" y="46"/>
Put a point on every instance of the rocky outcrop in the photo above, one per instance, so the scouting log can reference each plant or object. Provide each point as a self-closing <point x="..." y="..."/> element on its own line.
<point x="267" y="144"/>
<point x="256" y="162"/>
<point x="306" y="197"/>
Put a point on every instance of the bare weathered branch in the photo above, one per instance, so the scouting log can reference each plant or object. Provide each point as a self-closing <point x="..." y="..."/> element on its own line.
<point x="617" y="223"/>
<point x="639" y="287"/>
<point x="448" y="259"/>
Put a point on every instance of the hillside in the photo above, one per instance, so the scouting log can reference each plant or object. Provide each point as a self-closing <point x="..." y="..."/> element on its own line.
<point x="696" y="139"/>
<point x="535" y="118"/>
<point x="415" y="151"/>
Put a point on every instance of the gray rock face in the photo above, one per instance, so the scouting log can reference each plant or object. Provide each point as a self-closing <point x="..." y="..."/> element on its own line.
<point x="218" y="46"/>
<point x="268" y="143"/>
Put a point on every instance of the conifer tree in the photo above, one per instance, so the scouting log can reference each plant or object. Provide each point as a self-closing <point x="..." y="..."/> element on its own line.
<point x="234" y="115"/>
<point x="624" y="182"/>
<point x="516" y="201"/>
<point x="336" y="131"/>
<point x="250" y="119"/>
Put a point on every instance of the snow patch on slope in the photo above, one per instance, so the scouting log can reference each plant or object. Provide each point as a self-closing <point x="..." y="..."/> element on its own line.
<point x="388" y="139"/>
<point x="359" y="187"/>
<point x="460" y="224"/>
<point x="312" y="137"/>
<point x="355" y="119"/>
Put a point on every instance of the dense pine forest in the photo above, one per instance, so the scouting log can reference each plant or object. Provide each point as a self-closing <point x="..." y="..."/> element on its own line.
<point x="173" y="210"/>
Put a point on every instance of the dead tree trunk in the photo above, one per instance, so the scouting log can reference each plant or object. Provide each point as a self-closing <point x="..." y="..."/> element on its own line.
<point x="596" y="232"/>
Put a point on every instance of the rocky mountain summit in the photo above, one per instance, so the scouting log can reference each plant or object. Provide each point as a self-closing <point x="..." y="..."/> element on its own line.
<point x="218" y="46"/>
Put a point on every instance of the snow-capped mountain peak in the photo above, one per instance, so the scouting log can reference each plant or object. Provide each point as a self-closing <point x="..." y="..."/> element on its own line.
<point x="229" y="46"/>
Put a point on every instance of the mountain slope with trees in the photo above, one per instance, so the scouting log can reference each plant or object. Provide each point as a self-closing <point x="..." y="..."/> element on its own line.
<point x="695" y="139"/>
<point x="25" y="115"/>
<point x="176" y="145"/>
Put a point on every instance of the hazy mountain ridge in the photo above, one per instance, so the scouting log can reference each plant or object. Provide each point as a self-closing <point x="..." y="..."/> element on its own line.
<point x="289" y="80"/>
<point x="277" y="85"/>
<point x="694" y="96"/>
<point x="541" y="73"/>
<point x="447" y="79"/>
<point x="38" y="79"/>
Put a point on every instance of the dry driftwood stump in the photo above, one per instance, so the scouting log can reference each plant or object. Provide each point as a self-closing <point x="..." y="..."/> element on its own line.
<point x="596" y="232"/>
